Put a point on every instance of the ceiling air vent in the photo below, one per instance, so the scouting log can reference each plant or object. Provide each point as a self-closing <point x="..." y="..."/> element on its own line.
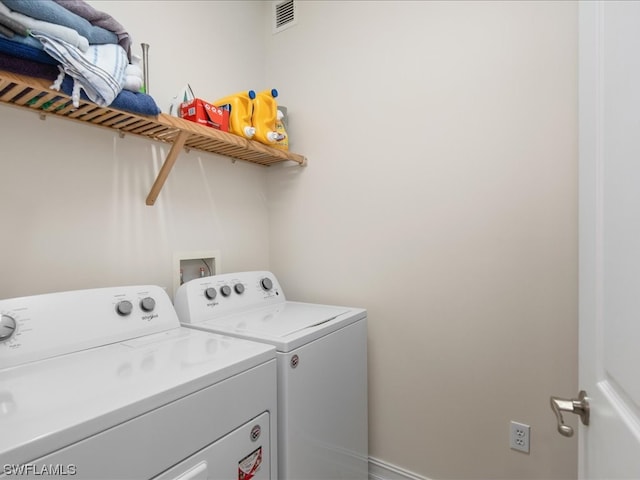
<point x="284" y="15"/>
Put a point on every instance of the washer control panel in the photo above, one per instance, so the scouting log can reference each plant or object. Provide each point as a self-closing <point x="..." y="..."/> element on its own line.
<point x="43" y="326"/>
<point x="224" y="294"/>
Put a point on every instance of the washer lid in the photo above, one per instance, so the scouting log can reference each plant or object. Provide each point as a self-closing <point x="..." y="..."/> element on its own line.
<point x="52" y="403"/>
<point x="287" y="325"/>
<point x="281" y="320"/>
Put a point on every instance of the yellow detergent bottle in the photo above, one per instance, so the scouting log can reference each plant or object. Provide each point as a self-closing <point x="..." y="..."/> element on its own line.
<point x="241" y="109"/>
<point x="283" y="142"/>
<point x="264" y="117"/>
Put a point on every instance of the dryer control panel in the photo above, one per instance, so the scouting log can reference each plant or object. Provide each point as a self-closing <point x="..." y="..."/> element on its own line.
<point x="211" y="297"/>
<point x="43" y="326"/>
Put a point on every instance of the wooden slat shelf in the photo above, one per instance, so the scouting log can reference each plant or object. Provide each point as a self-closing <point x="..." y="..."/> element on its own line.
<point x="34" y="94"/>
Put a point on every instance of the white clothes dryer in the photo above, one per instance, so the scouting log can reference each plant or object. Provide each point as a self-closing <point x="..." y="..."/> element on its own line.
<point x="106" y="384"/>
<point x="322" y="367"/>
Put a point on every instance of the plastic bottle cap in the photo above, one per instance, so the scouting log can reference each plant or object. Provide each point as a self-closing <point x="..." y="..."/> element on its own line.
<point x="272" y="136"/>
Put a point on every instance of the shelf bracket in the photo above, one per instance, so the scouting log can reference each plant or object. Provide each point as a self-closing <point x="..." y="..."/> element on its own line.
<point x="166" y="167"/>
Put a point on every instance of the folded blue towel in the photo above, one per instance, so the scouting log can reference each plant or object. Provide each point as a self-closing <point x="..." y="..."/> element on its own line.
<point x="27" y="48"/>
<point x="22" y="66"/>
<point x="48" y="28"/>
<point x="139" y="103"/>
<point x="50" y="11"/>
<point x="99" y="19"/>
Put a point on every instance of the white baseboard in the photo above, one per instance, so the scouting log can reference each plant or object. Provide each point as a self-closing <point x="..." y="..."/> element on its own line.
<point x="379" y="470"/>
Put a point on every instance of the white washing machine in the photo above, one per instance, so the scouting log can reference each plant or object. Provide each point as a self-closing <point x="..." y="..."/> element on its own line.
<point x="322" y="367"/>
<point x="106" y="384"/>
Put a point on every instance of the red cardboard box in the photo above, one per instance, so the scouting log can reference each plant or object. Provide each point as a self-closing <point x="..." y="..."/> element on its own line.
<point x="202" y="112"/>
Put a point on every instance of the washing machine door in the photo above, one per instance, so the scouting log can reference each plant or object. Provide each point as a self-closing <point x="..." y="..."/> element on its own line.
<point x="242" y="454"/>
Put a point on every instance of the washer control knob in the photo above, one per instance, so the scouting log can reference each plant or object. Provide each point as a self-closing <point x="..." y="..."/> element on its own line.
<point x="210" y="293"/>
<point x="239" y="288"/>
<point x="7" y="327"/>
<point x="124" y="308"/>
<point x="266" y="284"/>
<point x="147" y="304"/>
<point x="225" y="290"/>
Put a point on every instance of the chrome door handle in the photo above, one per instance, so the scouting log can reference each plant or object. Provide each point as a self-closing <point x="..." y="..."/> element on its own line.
<point x="579" y="406"/>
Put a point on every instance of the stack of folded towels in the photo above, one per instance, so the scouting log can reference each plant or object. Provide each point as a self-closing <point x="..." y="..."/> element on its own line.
<point x="85" y="52"/>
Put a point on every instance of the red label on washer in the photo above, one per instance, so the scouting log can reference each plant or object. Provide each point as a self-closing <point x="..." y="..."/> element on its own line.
<point x="249" y="465"/>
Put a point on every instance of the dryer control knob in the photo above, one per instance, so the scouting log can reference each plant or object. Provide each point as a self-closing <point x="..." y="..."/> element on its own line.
<point x="7" y="327"/>
<point x="266" y="284"/>
<point x="225" y="290"/>
<point x="210" y="293"/>
<point x="124" y="308"/>
<point x="239" y="288"/>
<point x="147" y="304"/>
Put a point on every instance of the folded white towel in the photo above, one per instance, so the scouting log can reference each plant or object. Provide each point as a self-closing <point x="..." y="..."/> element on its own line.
<point x="132" y="83"/>
<point x="67" y="34"/>
<point x="99" y="71"/>
<point x="134" y="71"/>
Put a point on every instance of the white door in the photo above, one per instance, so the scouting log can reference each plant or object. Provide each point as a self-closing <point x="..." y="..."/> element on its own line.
<point x="609" y="101"/>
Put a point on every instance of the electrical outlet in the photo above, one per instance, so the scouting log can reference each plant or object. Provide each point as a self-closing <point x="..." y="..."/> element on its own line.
<point x="519" y="436"/>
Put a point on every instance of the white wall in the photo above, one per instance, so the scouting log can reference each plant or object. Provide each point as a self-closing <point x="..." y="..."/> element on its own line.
<point x="440" y="195"/>
<point x="72" y="202"/>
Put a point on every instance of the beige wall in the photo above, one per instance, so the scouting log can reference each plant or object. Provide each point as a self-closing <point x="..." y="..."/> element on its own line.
<point x="440" y="195"/>
<point x="72" y="201"/>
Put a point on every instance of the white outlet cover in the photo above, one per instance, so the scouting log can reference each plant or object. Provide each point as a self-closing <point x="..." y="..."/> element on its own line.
<point x="519" y="437"/>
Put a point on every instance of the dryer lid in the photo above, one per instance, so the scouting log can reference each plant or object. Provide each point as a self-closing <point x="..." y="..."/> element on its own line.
<point x="55" y="402"/>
